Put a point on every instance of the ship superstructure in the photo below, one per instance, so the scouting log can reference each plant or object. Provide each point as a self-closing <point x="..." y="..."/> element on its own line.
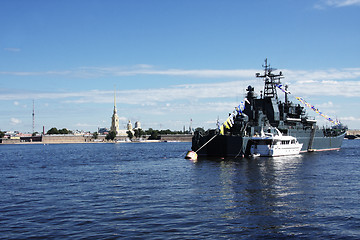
<point x="262" y="112"/>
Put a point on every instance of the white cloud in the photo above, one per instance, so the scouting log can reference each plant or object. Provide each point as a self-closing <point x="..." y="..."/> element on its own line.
<point x="336" y="3"/>
<point x="44" y="95"/>
<point x="299" y="85"/>
<point x="150" y="70"/>
<point x="97" y="72"/>
<point x="12" y="49"/>
<point x="84" y="125"/>
<point x="206" y="96"/>
<point x="330" y="74"/>
<point x="342" y="3"/>
<point x="350" y="118"/>
<point x="15" y="121"/>
<point x="195" y="92"/>
<point x="144" y="97"/>
<point x="50" y="73"/>
<point x="16" y="103"/>
<point x="208" y="73"/>
<point x="328" y="104"/>
<point x="123" y="119"/>
<point x="142" y="69"/>
<point x="351" y="121"/>
<point x="326" y="88"/>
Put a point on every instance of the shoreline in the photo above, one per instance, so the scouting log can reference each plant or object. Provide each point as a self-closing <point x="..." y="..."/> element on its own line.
<point x="92" y="142"/>
<point x="68" y="139"/>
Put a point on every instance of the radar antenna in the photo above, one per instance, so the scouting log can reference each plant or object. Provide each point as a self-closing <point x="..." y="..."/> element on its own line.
<point x="33" y="117"/>
<point x="270" y="79"/>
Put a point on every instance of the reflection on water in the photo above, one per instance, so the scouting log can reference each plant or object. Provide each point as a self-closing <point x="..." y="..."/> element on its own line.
<point x="261" y="192"/>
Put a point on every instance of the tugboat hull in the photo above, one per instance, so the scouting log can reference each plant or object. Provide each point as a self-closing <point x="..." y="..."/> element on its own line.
<point x="220" y="146"/>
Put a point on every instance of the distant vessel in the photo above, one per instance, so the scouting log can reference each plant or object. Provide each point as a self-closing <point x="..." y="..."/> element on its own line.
<point x="274" y="144"/>
<point x="267" y="110"/>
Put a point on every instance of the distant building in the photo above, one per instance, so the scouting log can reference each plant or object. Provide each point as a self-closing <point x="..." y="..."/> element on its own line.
<point x="103" y="131"/>
<point x="115" y="124"/>
<point x="137" y="125"/>
<point x="129" y="126"/>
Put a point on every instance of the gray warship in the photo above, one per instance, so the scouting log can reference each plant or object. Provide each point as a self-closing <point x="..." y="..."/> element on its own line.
<point x="262" y="114"/>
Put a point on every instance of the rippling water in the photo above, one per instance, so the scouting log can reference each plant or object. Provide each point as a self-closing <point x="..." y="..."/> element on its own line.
<point x="149" y="191"/>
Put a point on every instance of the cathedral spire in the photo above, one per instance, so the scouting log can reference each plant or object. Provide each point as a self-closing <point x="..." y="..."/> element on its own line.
<point x="115" y="118"/>
<point x="115" y="99"/>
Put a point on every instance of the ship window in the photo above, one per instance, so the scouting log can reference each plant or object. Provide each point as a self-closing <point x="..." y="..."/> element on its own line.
<point x="264" y="142"/>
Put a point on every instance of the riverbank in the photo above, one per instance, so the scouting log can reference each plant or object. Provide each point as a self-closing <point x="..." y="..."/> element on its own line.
<point x="352" y="134"/>
<point x="66" y="139"/>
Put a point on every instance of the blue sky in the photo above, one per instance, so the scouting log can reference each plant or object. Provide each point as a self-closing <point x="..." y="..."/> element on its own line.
<point x="171" y="61"/>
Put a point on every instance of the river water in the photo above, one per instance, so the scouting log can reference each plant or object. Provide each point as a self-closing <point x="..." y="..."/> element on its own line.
<point x="149" y="191"/>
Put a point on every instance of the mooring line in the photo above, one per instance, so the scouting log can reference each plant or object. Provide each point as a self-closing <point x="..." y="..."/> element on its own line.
<point x="206" y="142"/>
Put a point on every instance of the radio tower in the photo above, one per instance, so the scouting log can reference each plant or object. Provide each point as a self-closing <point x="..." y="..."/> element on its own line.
<point x="33" y="117"/>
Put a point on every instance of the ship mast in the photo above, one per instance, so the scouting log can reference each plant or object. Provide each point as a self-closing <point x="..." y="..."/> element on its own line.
<point x="33" y="118"/>
<point x="271" y="80"/>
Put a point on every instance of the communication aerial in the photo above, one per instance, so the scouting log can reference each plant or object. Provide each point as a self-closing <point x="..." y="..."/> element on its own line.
<point x="33" y="117"/>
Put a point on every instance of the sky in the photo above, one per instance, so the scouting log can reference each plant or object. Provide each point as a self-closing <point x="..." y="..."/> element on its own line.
<point x="171" y="63"/>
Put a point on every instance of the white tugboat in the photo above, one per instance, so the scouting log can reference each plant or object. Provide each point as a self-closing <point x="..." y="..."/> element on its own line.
<point x="274" y="144"/>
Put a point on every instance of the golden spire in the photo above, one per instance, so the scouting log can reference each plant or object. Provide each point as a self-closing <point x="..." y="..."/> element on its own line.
<point x="114" y="98"/>
<point x="115" y="118"/>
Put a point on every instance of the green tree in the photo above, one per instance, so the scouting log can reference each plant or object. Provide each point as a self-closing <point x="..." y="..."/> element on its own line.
<point x="149" y="131"/>
<point x="138" y="133"/>
<point x="53" y="131"/>
<point x="95" y="135"/>
<point x="2" y="134"/>
<point x="64" y="131"/>
<point x="60" y="131"/>
<point x="111" y="135"/>
<point x="154" y="135"/>
<point x="130" y="134"/>
<point x="165" y="132"/>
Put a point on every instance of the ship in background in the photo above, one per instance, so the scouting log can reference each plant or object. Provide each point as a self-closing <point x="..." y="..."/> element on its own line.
<point x="260" y="114"/>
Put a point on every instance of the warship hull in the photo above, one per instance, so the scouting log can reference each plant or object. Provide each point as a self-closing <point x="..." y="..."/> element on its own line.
<point x="236" y="146"/>
<point x="320" y="142"/>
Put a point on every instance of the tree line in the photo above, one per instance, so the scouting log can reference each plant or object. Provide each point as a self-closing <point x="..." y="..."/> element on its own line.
<point x="59" y="131"/>
<point x="137" y="133"/>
